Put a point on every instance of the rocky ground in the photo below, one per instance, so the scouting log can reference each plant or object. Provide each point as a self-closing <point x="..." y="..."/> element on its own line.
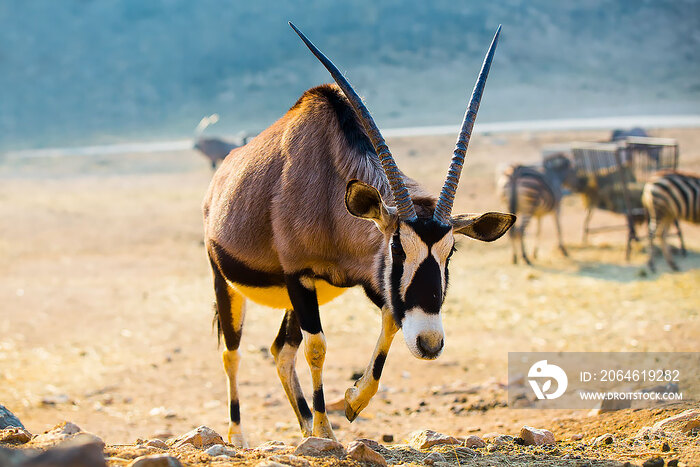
<point x="671" y="441"/>
<point x="105" y="319"/>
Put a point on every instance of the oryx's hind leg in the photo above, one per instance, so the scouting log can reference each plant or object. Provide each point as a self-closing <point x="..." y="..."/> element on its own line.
<point x="231" y="310"/>
<point x="302" y="294"/>
<point x="284" y="350"/>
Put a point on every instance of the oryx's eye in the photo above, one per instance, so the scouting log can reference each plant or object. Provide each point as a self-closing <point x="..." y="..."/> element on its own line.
<point x="397" y="250"/>
<point x="452" y="251"/>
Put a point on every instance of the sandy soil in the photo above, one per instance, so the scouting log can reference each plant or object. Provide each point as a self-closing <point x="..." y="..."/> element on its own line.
<point x="105" y="307"/>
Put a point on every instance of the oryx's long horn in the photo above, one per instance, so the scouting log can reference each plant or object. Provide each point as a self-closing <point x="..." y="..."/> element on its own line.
<point x="404" y="205"/>
<point x="443" y="209"/>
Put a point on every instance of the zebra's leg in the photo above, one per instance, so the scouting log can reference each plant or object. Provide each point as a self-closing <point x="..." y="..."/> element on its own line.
<point x="651" y="234"/>
<point x="586" y="222"/>
<point x="514" y="233"/>
<point x="302" y="294"/>
<point x="358" y="396"/>
<point x="684" y="252"/>
<point x="664" y="246"/>
<point x="557" y="212"/>
<point x="537" y="237"/>
<point x="523" y="226"/>
<point x="284" y="350"/>
<point x="231" y="310"/>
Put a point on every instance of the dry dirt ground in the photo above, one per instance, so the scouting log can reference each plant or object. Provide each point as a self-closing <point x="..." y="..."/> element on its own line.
<point x="106" y="309"/>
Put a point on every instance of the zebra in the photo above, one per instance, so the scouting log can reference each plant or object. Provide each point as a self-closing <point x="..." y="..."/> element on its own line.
<point x="531" y="191"/>
<point x="670" y="196"/>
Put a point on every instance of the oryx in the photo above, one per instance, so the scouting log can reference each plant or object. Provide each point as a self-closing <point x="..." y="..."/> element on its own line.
<point x="316" y="204"/>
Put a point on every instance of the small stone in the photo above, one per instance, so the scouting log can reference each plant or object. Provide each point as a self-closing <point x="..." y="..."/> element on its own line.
<point x="155" y="460"/>
<point x="200" y="437"/>
<point x="536" y="436"/>
<point x="654" y="462"/>
<point x="273" y="446"/>
<point x="387" y="438"/>
<point x="57" y="434"/>
<point x="269" y="463"/>
<point x="360" y="452"/>
<point x="8" y="419"/>
<point x="577" y="437"/>
<point x="665" y="447"/>
<point x="497" y="438"/>
<point x="315" y="447"/>
<point x="434" y="457"/>
<point x="157" y="443"/>
<point x="162" y="434"/>
<point x="55" y="399"/>
<point x="428" y="438"/>
<point x="601" y="440"/>
<point x="220" y="450"/>
<point x="14" y="435"/>
<point x="288" y="459"/>
<point x="491" y="447"/>
<point x="473" y="441"/>
<point x="465" y="451"/>
<point x="683" y="422"/>
<point x="672" y="463"/>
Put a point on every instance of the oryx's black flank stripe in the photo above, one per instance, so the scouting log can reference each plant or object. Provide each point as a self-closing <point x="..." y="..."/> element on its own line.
<point x="235" y="412"/>
<point x="304" y="409"/>
<point x="236" y="271"/>
<point x="319" y="403"/>
<point x="378" y="365"/>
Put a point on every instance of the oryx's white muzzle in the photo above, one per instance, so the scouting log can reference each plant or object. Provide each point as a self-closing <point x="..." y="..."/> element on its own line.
<point x="423" y="333"/>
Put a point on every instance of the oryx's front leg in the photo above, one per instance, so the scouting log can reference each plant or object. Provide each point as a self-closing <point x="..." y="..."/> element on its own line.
<point x="357" y="397"/>
<point x="302" y="294"/>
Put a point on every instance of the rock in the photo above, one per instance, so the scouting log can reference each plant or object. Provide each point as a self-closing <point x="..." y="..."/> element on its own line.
<point x="162" y="434"/>
<point x="375" y="446"/>
<point x="683" y="422"/>
<point x="654" y="462"/>
<point x="360" y="452"/>
<point x="536" y="436"/>
<point x="665" y="447"/>
<point x="602" y="440"/>
<point x="64" y="432"/>
<point x="497" y="439"/>
<point x="55" y="399"/>
<point x="273" y="446"/>
<point x="465" y="451"/>
<point x="577" y="437"/>
<point x="155" y="460"/>
<point x="474" y="441"/>
<point x="200" y="437"/>
<point x="269" y="463"/>
<point x="220" y="450"/>
<point x="157" y="443"/>
<point x="8" y="419"/>
<point x="428" y="438"/>
<point x="315" y="447"/>
<point x="79" y="454"/>
<point x="673" y="463"/>
<point x="14" y="435"/>
<point x="388" y="438"/>
<point x="611" y="405"/>
<point x="288" y="459"/>
<point x="434" y="457"/>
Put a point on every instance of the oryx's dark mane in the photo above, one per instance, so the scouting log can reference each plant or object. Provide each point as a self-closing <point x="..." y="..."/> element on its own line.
<point x="358" y="160"/>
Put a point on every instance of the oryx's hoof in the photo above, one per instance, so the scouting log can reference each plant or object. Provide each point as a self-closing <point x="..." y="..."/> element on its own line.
<point x="236" y="438"/>
<point x="352" y="408"/>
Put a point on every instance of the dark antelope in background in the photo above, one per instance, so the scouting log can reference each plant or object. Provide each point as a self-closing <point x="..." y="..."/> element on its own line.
<point x="531" y="191"/>
<point x="214" y="149"/>
<point x="316" y="204"/>
<point x="668" y="197"/>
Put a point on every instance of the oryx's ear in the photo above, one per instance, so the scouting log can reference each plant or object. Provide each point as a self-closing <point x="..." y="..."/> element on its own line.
<point x="485" y="227"/>
<point x="365" y="202"/>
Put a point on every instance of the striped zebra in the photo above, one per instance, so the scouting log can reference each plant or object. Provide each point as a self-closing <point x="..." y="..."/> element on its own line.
<point x="531" y="191"/>
<point x="668" y="197"/>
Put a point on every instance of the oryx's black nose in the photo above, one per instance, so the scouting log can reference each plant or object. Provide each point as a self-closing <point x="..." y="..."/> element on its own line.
<point x="430" y="346"/>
